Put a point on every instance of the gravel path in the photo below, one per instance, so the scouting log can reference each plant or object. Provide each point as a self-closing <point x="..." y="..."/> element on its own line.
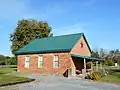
<point x="61" y="83"/>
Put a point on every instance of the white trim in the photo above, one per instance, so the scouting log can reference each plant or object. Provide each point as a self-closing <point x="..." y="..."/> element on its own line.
<point x="27" y="62"/>
<point x="40" y="61"/>
<point x="84" y="65"/>
<point x="55" y="61"/>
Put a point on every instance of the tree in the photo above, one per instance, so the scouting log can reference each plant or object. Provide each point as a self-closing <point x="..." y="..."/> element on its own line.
<point x="2" y="60"/>
<point x="102" y="53"/>
<point x="95" y="54"/>
<point x="12" y="61"/>
<point x="117" y="57"/>
<point x="26" y="31"/>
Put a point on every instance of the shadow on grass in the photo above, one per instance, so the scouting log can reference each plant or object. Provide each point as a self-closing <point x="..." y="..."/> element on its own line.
<point x="2" y="73"/>
<point x="113" y="76"/>
<point x="116" y="70"/>
<point x="112" y="71"/>
<point x="13" y="66"/>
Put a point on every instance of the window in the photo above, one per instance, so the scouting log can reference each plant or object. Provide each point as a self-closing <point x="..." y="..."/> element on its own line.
<point x="55" y="61"/>
<point x="40" y="62"/>
<point x="27" y="62"/>
<point x="82" y="45"/>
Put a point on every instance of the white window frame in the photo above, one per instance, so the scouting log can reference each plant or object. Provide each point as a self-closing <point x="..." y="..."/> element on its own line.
<point x="40" y="61"/>
<point x="27" y="62"/>
<point x="55" y="61"/>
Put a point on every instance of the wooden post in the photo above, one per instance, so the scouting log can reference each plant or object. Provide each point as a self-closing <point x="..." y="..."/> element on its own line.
<point x="91" y="65"/>
<point x="100" y="65"/>
<point x="96" y="65"/>
<point x="84" y="65"/>
<point x="73" y="71"/>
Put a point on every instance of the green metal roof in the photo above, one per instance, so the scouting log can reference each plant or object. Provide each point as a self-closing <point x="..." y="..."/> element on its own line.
<point x="87" y="57"/>
<point x="51" y="44"/>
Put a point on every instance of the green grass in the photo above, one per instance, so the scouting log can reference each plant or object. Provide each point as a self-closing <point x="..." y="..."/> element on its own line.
<point x="7" y="70"/>
<point x="5" y="79"/>
<point x="114" y="77"/>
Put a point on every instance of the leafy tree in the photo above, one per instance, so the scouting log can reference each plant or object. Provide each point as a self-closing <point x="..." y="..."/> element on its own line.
<point x="10" y="60"/>
<point x="117" y="57"/>
<point x="13" y="61"/>
<point x="7" y="62"/>
<point x="26" y="31"/>
<point x="95" y="54"/>
<point x="2" y="60"/>
<point x="110" y="57"/>
<point x="102" y="53"/>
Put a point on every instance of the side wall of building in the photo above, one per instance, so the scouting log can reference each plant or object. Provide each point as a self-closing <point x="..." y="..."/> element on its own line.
<point x="65" y="62"/>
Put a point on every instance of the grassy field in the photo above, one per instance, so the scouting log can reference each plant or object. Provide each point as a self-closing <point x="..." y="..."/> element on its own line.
<point x="7" y="69"/>
<point x="114" y="77"/>
<point x="5" y="78"/>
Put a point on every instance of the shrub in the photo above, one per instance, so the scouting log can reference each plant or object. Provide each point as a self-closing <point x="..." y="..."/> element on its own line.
<point x="94" y="76"/>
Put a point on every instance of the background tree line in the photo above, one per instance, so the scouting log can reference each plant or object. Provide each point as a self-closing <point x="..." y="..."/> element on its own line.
<point x="6" y="60"/>
<point x="110" y="56"/>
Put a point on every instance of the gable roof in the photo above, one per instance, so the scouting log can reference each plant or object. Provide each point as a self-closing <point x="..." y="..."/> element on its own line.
<point x="51" y="44"/>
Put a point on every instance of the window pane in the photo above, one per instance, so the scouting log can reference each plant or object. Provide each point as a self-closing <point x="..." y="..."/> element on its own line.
<point x="56" y="64"/>
<point x="27" y="58"/>
<point x="40" y="58"/>
<point x="40" y="65"/>
<point x="56" y="58"/>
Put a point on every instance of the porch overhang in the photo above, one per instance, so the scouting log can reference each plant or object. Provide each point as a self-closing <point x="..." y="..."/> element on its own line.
<point x="87" y="58"/>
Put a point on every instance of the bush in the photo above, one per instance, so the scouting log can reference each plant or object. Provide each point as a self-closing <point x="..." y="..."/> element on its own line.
<point x="94" y="76"/>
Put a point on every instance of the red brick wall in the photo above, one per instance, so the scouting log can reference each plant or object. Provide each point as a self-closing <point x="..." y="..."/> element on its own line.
<point x="65" y="62"/>
<point x="77" y="49"/>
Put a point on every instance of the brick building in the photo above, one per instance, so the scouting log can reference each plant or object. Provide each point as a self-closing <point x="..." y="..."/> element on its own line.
<point x="61" y="55"/>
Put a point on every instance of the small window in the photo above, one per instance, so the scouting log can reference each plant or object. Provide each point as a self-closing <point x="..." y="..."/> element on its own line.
<point x="82" y="45"/>
<point x="27" y="62"/>
<point x="40" y="62"/>
<point x="55" y="61"/>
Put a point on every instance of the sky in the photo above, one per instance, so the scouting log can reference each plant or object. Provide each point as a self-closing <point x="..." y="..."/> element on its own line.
<point x="99" y="20"/>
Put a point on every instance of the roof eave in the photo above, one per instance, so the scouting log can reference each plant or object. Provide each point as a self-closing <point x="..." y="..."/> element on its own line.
<point x="87" y="57"/>
<point x="45" y="51"/>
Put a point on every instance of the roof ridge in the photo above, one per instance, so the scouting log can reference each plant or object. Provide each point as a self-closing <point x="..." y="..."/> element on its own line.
<point x="60" y="36"/>
<point x="68" y="34"/>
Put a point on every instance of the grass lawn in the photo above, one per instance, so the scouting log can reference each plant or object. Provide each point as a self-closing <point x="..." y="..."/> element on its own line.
<point x="5" y="79"/>
<point x="6" y="70"/>
<point x="114" y="77"/>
